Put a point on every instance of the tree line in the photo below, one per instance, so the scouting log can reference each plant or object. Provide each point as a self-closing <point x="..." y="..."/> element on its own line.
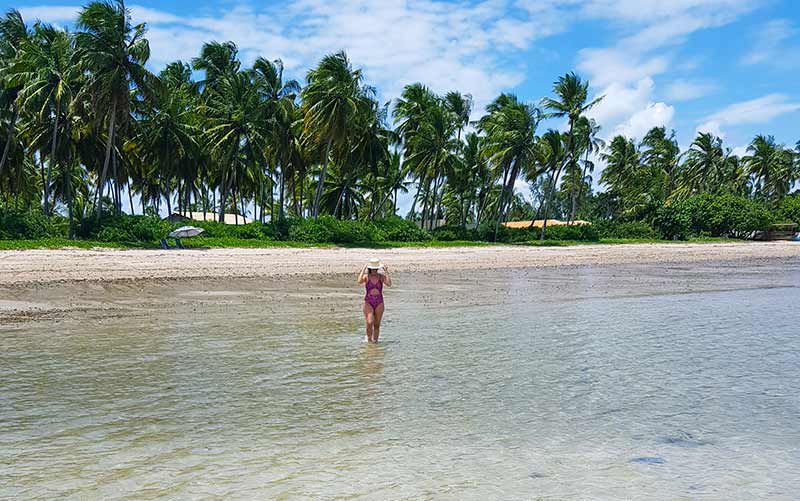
<point x="84" y="124"/>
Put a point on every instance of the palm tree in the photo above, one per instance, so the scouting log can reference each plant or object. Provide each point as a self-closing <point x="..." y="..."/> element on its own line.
<point x="432" y="150"/>
<point x="587" y="130"/>
<point x="279" y="98"/>
<point x="166" y="135"/>
<point x="409" y="113"/>
<point x="460" y="105"/>
<point x="330" y="101"/>
<point x="702" y="169"/>
<point x="572" y="95"/>
<point x="511" y="142"/>
<point x="114" y="52"/>
<point x="48" y="73"/>
<point x="235" y="131"/>
<point x="13" y="33"/>
<point x="772" y="167"/>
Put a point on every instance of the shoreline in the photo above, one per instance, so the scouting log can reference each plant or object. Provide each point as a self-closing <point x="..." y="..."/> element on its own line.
<point x="45" y="266"/>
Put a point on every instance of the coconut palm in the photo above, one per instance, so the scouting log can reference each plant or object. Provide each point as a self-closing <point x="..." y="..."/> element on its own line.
<point x="48" y="73"/>
<point x="511" y="142"/>
<point x="114" y="52"/>
<point x="331" y="99"/>
<point x="571" y="102"/>
<point x="772" y="167"/>
<point x="13" y="34"/>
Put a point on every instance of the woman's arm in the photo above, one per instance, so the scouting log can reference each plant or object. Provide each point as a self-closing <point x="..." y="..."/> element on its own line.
<point x="362" y="276"/>
<point x="387" y="280"/>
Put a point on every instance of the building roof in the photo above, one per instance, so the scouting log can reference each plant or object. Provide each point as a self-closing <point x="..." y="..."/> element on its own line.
<point x="540" y="222"/>
<point x="208" y="216"/>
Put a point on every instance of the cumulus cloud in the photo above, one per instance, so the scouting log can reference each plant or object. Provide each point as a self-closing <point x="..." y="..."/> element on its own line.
<point x="460" y="45"/>
<point x="653" y="115"/>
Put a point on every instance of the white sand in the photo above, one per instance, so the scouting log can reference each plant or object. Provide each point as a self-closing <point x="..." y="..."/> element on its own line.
<point x="49" y="266"/>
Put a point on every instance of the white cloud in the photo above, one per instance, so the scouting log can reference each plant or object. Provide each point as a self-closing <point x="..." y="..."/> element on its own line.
<point x="462" y="45"/>
<point x="754" y="111"/>
<point x="685" y="90"/>
<point x="711" y="126"/>
<point x="653" y="115"/>
<point x="49" y="14"/>
<point x="770" y="45"/>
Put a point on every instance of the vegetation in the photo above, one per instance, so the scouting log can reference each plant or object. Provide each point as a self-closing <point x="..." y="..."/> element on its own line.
<point x="86" y="129"/>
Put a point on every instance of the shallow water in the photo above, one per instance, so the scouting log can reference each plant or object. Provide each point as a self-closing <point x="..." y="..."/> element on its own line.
<point x="671" y="382"/>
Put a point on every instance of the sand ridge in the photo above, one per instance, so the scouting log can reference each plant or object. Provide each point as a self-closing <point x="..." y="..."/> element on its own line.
<point x="29" y="267"/>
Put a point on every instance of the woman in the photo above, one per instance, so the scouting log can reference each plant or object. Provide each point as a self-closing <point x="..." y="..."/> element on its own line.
<point x="374" y="276"/>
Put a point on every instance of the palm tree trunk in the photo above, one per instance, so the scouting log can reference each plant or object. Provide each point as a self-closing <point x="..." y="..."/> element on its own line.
<point x="281" y="195"/>
<point x="101" y="182"/>
<point x="555" y="181"/>
<point x="321" y="182"/>
<point x="71" y="231"/>
<point x="580" y="186"/>
<point x="52" y="160"/>
<point x="9" y="137"/>
<point x="117" y="201"/>
<point x="130" y="199"/>
<point x="500" y="202"/>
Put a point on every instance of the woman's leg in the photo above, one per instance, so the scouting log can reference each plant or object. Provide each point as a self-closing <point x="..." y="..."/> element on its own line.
<point x="369" y="317"/>
<point x="376" y="327"/>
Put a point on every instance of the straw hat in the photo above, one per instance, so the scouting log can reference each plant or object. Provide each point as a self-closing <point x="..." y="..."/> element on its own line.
<point x="374" y="264"/>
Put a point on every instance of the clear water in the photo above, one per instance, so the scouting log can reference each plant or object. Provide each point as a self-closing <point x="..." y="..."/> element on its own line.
<point x="634" y="382"/>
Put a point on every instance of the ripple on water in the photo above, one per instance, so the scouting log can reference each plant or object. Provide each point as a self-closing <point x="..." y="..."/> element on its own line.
<point x="572" y="383"/>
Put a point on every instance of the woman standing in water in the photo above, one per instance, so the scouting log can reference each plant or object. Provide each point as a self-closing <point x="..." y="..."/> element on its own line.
<point x="374" y="275"/>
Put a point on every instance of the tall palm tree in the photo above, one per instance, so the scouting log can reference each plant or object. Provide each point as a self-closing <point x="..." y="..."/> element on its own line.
<point x="587" y="130"/>
<point x="114" y="52"/>
<point x="772" y="166"/>
<point x="703" y="166"/>
<point x="13" y="34"/>
<point x="331" y="99"/>
<point x="571" y="102"/>
<point x="235" y="131"/>
<point x="48" y="72"/>
<point x="511" y="142"/>
<point x="280" y="99"/>
<point x="460" y="105"/>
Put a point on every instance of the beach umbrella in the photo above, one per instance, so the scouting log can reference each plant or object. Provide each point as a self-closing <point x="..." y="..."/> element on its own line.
<point x="186" y="232"/>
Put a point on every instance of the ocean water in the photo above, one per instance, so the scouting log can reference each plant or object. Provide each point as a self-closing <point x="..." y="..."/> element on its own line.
<point x="634" y="382"/>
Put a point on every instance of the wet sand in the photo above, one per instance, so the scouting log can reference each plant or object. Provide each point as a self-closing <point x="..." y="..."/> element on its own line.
<point x="58" y="284"/>
<point x="29" y="267"/>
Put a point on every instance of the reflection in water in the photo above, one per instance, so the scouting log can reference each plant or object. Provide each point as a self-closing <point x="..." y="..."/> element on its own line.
<point x="617" y="383"/>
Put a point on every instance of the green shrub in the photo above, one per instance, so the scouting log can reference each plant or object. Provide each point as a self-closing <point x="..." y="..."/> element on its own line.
<point x="573" y="232"/>
<point x="397" y="229"/>
<point x="629" y="230"/>
<point x="789" y="208"/>
<point x="18" y="225"/>
<point x="712" y="215"/>
<point x="451" y="233"/>
<point x="125" y="228"/>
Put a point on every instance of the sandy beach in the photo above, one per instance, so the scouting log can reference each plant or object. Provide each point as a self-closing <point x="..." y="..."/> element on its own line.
<point x="29" y="267"/>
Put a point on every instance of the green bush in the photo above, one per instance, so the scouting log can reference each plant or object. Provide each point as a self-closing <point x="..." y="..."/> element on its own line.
<point x="574" y="232"/>
<point x="397" y="229"/>
<point x="628" y="230"/>
<point x="125" y="228"/>
<point x="18" y="225"/>
<point x="789" y="208"/>
<point x="712" y="215"/>
<point x="451" y="233"/>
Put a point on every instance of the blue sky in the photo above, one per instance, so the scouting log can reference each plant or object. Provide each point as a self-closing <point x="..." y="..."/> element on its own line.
<point x="727" y="66"/>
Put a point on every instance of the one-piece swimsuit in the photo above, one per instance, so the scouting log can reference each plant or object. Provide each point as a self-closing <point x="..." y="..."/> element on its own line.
<point x="374" y="299"/>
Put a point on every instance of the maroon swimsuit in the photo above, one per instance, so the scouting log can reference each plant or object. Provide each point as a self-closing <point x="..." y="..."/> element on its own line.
<point x="374" y="299"/>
